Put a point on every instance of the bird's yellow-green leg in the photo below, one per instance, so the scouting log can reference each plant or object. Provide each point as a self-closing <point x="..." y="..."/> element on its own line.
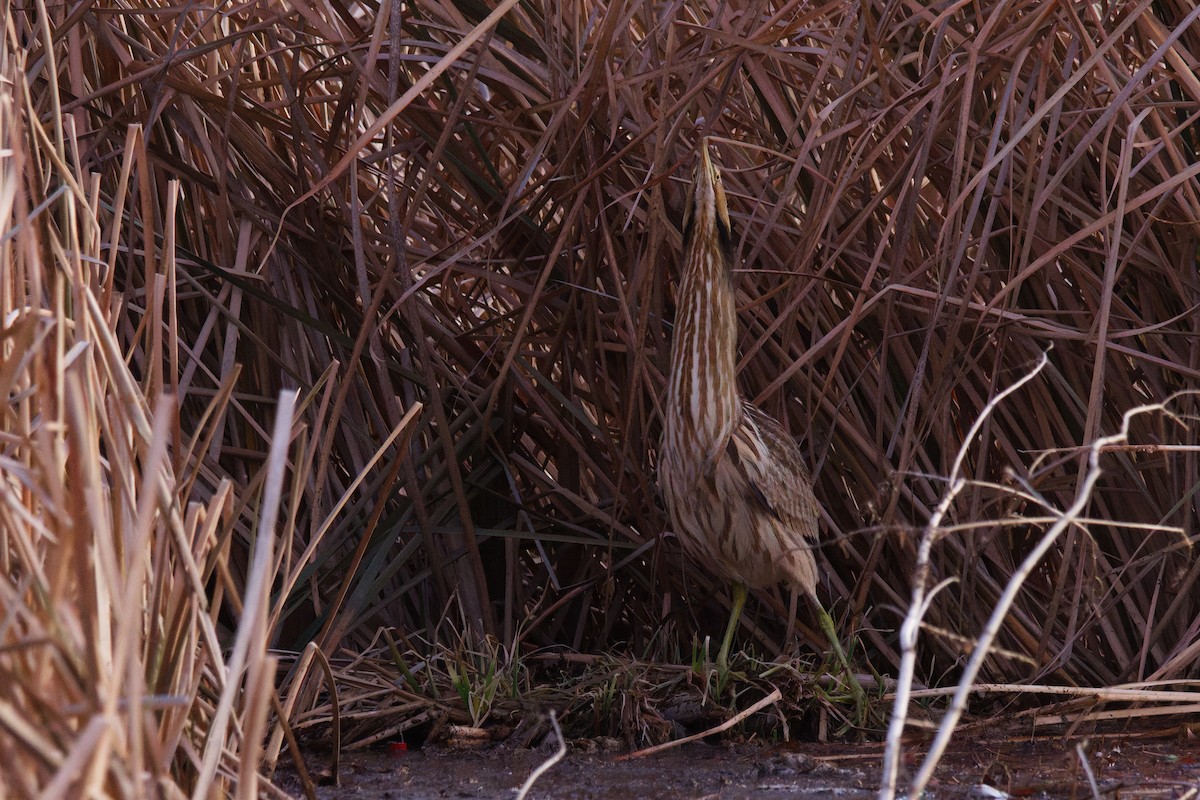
<point x="856" y="689"/>
<point x="735" y="614"/>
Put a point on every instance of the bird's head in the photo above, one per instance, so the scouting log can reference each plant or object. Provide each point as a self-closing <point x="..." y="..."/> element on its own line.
<point x="706" y="218"/>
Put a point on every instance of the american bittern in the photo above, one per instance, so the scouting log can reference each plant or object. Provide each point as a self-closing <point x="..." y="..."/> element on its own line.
<point x="734" y="481"/>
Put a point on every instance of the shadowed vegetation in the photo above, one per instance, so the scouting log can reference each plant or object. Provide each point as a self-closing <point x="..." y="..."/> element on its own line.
<point x="455" y="233"/>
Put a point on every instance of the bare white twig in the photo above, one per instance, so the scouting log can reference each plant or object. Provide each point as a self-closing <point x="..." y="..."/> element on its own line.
<point x="921" y="598"/>
<point x="1087" y="770"/>
<point x="548" y="763"/>
<point x="1068" y="518"/>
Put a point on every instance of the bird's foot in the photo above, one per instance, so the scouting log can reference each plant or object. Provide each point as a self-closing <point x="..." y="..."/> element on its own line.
<point x="858" y="695"/>
<point x="865" y="714"/>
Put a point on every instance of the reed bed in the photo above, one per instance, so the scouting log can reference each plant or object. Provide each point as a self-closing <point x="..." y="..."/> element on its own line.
<point x="133" y="640"/>
<point x="448" y="232"/>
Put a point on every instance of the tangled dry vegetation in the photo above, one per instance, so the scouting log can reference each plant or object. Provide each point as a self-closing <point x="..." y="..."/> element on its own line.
<point x="343" y="326"/>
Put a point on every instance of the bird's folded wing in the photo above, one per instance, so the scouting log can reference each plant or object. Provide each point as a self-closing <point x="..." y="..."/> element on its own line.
<point x="775" y="471"/>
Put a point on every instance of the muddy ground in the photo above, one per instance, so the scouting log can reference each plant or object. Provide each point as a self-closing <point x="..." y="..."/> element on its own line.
<point x="1124" y="766"/>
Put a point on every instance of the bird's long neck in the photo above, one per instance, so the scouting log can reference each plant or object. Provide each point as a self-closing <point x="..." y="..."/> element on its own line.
<point x="702" y="392"/>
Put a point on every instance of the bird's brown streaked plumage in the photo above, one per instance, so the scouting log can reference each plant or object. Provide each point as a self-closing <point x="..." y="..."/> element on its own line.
<point x="734" y="481"/>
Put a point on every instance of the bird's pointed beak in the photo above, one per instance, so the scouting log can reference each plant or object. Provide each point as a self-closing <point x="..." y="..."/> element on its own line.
<point x="705" y="171"/>
<point x="708" y="195"/>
